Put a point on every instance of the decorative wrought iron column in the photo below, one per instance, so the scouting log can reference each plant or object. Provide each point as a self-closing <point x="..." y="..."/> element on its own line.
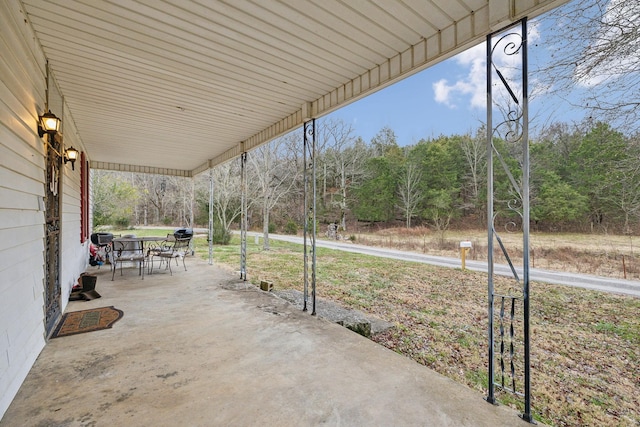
<point x="53" y="227"/>
<point x="310" y="213"/>
<point x="53" y="150"/>
<point x="210" y="216"/>
<point x="192" y="214"/>
<point x="243" y="216"/>
<point x="508" y="143"/>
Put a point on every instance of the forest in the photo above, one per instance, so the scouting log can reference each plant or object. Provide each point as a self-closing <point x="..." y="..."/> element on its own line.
<point x="584" y="178"/>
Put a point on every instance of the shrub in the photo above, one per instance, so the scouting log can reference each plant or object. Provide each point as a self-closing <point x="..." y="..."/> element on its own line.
<point x="272" y="228"/>
<point x="291" y="227"/>
<point x="221" y="236"/>
<point x="121" y="222"/>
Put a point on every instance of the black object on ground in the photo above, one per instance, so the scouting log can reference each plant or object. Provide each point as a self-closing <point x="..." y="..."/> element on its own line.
<point x="88" y="291"/>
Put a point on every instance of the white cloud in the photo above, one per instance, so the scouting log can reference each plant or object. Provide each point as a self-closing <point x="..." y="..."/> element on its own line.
<point x="470" y="88"/>
<point x="442" y="90"/>
<point x="533" y="32"/>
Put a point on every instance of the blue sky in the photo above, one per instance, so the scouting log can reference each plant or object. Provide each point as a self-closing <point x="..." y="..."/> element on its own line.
<point x="409" y="107"/>
<point x="450" y="98"/>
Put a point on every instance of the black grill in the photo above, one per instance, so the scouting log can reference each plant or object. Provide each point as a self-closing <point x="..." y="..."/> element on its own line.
<point x="181" y="233"/>
<point x="101" y="239"/>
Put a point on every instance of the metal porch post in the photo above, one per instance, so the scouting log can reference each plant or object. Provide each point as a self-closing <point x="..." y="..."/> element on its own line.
<point x="491" y="380"/>
<point x="192" y="215"/>
<point x="243" y="216"/>
<point x="210" y="216"/>
<point x="527" y="415"/>
<point x="309" y="159"/>
<point x="504" y="337"/>
<point x="193" y="203"/>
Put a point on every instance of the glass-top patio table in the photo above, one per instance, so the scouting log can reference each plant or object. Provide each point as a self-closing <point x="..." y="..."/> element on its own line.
<point x="134" y="249"/>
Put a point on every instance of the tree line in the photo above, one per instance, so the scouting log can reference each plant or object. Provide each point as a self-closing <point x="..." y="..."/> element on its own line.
<point x="584" y="178"/>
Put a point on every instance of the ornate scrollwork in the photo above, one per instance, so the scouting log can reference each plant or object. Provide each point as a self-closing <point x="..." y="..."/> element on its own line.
<point x="515" y="205"/>
<point x="509" y="45"/>
<point x="510" y="129"/>
<point x="511" y="227"/>
<point x="512" y="43"/>
<point x="309" y="130"/>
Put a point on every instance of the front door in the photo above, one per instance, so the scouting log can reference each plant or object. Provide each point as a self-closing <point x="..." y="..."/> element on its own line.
<point x="53" y="307"/>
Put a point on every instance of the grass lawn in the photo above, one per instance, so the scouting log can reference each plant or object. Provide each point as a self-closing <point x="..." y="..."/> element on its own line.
<point x="585" y="344"/>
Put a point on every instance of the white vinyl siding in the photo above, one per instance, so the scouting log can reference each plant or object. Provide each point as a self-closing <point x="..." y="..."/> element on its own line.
<point x="21" y="216"/>
<point x="22" y="189"/>
<point x="75" y="255"/>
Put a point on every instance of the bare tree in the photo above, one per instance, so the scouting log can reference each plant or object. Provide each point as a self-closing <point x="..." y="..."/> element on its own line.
<point x="156" y="196"/>
<point x="596" y="49"/>
<point x="440" y="212"/>
<point x="475" y="154"/>
<point x="384" y="142"/>
<point x="275" y="174"/>
<point x="188" y="194"/>
<point x="409" y="191"/>
<point x="164" y="199"/>
<point x="345" y="157"/>
<point x="226" y="197"/>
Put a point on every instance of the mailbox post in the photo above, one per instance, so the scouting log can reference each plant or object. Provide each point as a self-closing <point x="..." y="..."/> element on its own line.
<point x="465" y="246"/>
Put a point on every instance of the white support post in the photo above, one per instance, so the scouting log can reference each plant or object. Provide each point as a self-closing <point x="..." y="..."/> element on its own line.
<point x="210" y="216"/>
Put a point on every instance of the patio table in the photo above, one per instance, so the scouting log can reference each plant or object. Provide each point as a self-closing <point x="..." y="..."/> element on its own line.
<point x="136" y="245"/>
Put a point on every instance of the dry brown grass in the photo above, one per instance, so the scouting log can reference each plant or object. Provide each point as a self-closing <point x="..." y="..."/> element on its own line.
<point x="597" y="254"/>
<point x="585" y="344"/>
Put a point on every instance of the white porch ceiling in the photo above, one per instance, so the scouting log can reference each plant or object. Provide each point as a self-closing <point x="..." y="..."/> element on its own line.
<point x="187" y="84"/>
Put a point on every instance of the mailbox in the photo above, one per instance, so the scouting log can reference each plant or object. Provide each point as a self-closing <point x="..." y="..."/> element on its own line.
<point x="465" y="246"/>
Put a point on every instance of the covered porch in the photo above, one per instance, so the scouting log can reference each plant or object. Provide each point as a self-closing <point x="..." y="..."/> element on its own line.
<point x="178" y="88"/>
<point x="204" y="348"/>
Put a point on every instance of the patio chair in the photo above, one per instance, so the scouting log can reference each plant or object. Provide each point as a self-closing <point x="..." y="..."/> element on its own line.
<point x="128" y="251"/>
<point x="164" y="246"/>
<point x="178" y="249"/>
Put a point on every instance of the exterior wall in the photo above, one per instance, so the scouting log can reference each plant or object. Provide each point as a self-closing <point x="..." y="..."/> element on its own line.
<point x="22" y="188"/>
<point x="75" y="254"/>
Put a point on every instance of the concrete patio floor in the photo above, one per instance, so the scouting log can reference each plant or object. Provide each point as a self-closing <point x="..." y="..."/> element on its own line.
<point x="202" y="348"/>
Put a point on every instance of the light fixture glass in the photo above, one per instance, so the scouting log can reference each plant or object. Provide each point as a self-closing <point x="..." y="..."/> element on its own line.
<point x="49" y="123"/>
<point x="71" y="155"/>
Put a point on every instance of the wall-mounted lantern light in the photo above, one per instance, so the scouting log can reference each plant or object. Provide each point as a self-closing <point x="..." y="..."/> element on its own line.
<point x="48" y="123"/>
<point x="71" y="155"/>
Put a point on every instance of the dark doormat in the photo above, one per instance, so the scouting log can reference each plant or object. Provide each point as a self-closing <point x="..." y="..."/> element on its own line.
<point x="77" y="322"/>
